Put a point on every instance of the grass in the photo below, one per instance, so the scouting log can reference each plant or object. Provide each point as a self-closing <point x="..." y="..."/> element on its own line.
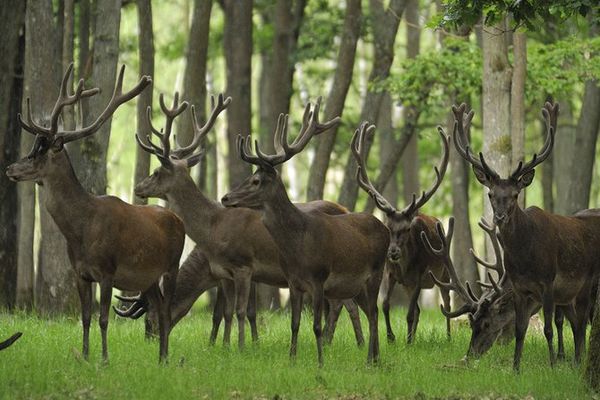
<point x="46" y="363"/>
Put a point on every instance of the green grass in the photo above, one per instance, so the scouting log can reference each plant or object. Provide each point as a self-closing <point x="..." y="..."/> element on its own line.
<point x="46" y="363"/>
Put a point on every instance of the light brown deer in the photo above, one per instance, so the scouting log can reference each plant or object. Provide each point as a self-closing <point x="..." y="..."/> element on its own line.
<point x="550" y="259"/>
<point x="407" y="261"/>
<point x="108" y="241"/>
<point x="8" y="342"/>
<point x="334" y="256"/>
<point x="238" y="247"/>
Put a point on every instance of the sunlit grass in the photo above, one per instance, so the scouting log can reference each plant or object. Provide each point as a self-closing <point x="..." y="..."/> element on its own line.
<point x="46" y="363"/>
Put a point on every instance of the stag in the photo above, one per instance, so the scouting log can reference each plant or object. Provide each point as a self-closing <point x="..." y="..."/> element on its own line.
<point x="108" y="241"/>
<point x="549" y="259"/>
<point x="8" y="342"/>
<point x="334" y="256"/>
<point x="407" y="262"/>
<point x="235" y="242"/>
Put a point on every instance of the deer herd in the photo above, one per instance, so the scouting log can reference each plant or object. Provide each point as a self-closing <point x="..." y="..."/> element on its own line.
<point x="339" y="258"/>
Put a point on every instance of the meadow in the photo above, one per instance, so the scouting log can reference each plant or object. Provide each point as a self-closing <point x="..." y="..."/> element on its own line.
<point x="46" y="363"/>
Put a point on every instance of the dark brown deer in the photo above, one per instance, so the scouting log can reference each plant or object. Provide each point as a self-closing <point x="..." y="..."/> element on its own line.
<point x="108" y="241"/>
<point x="407" y="261"/>
<point x="235" y="242"/>
<point x="8" y="342"/>
<point x="550" y="259"/>
<point x="334" y="256"/>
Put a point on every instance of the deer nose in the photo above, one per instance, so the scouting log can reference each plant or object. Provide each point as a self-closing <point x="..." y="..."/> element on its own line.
<point x="394" y="254"/>
<point x="499" y="218"/>
<point x="225" y="199"/>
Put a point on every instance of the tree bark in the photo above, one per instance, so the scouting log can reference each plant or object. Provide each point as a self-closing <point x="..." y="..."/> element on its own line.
<point x="146" y="57"/>
<point x="517" y="101"/>
<point x="385" y="27"/>
<point x="563" y="155"/>
<point x="237" y="42"/>
<point x="334" y="105"/>
<point x="12" y="15"/>
<point x="84" y="39"/>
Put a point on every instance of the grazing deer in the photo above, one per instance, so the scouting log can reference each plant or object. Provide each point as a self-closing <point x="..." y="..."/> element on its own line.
<point x="8" y="342"/>
<point x="238" y="247"/>
<point x="108" y="241"/>
<point x="550" y="259"/>
<point x="407" y="261"/>
<point x="334" y="256"/>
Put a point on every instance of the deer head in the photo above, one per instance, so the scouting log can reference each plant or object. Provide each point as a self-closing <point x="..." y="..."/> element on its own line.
<point x="265" y="184"/>
<point x="503" y="192"/>
<point x="47" y="153"/>
<point x="488" y="314"/>
<point x="399" y="222"/>
<point x="175" y="163"/>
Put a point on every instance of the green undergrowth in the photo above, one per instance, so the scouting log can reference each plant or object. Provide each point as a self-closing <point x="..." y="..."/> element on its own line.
<point x="46" y="363"/>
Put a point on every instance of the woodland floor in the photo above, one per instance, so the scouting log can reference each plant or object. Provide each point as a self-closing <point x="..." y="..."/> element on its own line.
<point x="46" y="363"/>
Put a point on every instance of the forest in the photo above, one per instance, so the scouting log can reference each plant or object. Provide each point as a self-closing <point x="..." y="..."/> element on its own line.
<point x="429" y="118"/>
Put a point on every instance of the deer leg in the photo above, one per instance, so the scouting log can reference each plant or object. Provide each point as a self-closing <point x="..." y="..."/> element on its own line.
<point x="252" y="312"/>
<point x="352" y="309"/>
<point x="105" y="296"/>
<point x="218" y="312"/>
<point x="229" y="293"/>
<point x="521" y="325"/>
<point x="582" y="307"/>
<point x="446" y="300"/>
<point x="84" y="289"/>
<point x="559" y="318"/>
<point x="318" y="300"/>
<point x="296" y="306"/>
<point x="169" y="281"/>
<point x="412" y="317"/>
<point x="387" y="294"/>
<point x="333" y="308"/>
<point x="548" y="307"/>
<point x="243" y="281"/>
<point x="151" y="322"/>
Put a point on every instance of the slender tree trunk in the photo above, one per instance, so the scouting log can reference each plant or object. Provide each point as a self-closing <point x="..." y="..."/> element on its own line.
<point x="84" y="38"/>
<point x="385" y="27"/>
<point x="563" y="155"/>
<point x="336" y="99"/>
<point x="238" y="53"/>
<point x="12" y="13"/>
<point x="517" y="101"/>
<point x="146" y="57"/>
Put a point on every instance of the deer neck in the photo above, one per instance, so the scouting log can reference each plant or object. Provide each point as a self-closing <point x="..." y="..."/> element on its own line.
<point x="194" y="208"/>
<point x="514" y="234"/>
<point x="69" y="204"/>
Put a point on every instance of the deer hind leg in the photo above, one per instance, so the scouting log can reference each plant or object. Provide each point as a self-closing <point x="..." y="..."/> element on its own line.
<point x="521" y="325"/>
<point x="559" y="318"/>
<point x="252" y="312"/>
<point x="548" y="307"/>
<point x="387" y="294"/>
<point x="296" y="307"/>
<point x="318" y="297"/>
<point x="229" y="292"/>
<point x="582" y="307"/>
<point x="105" y="298"/>
<point x="218" y="313"/>
<point x="84" y="289"/>
<point x="169" y="281"/>
<point x="367" y="301"/>
<point x="352" y="309"/>
<point x="332" y="309"/>
<point x="446" y="300"/>
<point x="243" y="281"/>
<point x="412" y="317"/>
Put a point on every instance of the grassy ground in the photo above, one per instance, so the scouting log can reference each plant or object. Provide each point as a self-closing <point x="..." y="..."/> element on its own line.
<point x="46" y="363"/>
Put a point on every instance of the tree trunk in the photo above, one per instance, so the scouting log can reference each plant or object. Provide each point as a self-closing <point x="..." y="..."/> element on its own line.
<point x="517" y="101"/>
<point x="237" y="42"/>
<point x="146" y="57"/>
<point x="12" y="13"/>
<point x="592" y="369"/>
<point x="385" y="27"/>
<point x="84" y="38"/>
<point x="563" y="155"/>
<point x="334" y="105"/>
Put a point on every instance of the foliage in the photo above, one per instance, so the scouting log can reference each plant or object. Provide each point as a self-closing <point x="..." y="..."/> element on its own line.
<point x="322" y="24"/>
<point x="46" y="363"/>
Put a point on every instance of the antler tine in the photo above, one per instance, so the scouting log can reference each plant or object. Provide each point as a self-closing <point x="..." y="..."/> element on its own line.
<point x="279" y="138"/>
<point x="170" y="114"/>
<point x="117" y="99"/>
<point x="444" y="253"/>
<point x="440" y="171"/>
<point x="245" y="151"/>
<point x="201" y="131"/>
<point x="30" y="126"/>
<point x="550" y="115"/>
<point x="357" y="146"/>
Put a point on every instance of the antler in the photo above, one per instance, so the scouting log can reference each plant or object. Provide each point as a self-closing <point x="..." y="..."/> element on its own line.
<point x="440" y="171"/>
<point x="200" y="132"/>
<point x="443" y="252"/>
<point x="284" y="151"/>
<point x="163" y="152"/>
<point x="359" y="151"/>
<point x="550" y="114"/>
<point x="497" y="265"/>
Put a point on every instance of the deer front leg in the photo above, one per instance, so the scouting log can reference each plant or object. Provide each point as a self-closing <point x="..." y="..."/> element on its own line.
<point x="169" y="281"/>
<point x="583" y="306"/>
<point x="318" y="300"/>
<point x="412" y="317"/>
<point x="243" y="281"/>
<point x="105" y="297"/>
<point x="352" y="309"/>
<point x="218" y="313"/>
<point x="84" y="289"/>
<point x="387" y="294"/>
<point x="229" y="292"/>
<point x="296" y="307"/>
<point x="332" y="310"/>
<point x="548" y="307"/>
<point x="252" y="312"/>
<point x="559" y="318"/>
<point x="521" y="325"/>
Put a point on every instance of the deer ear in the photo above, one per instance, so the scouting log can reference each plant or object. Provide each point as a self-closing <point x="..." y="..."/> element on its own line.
<point x="58" y="144"/>
<point x="526" y="179"/>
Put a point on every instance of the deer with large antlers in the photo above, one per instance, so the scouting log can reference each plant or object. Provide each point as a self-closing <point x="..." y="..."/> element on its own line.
<point x="550" y="259"/>
<point x="108" y="241"/>
<point x="334" y="256"/>
<point x="236" y="244"/>
<point x="407" y="262"/>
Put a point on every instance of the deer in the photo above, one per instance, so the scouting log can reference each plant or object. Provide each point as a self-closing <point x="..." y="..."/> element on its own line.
<point x="8" y="342"/>
<point x="407" y="261"/>
<point x="549" y="259"/>
<point x="237" y="246"/>
<point x="327" y="256"/>
<point x="108" y="241"/>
